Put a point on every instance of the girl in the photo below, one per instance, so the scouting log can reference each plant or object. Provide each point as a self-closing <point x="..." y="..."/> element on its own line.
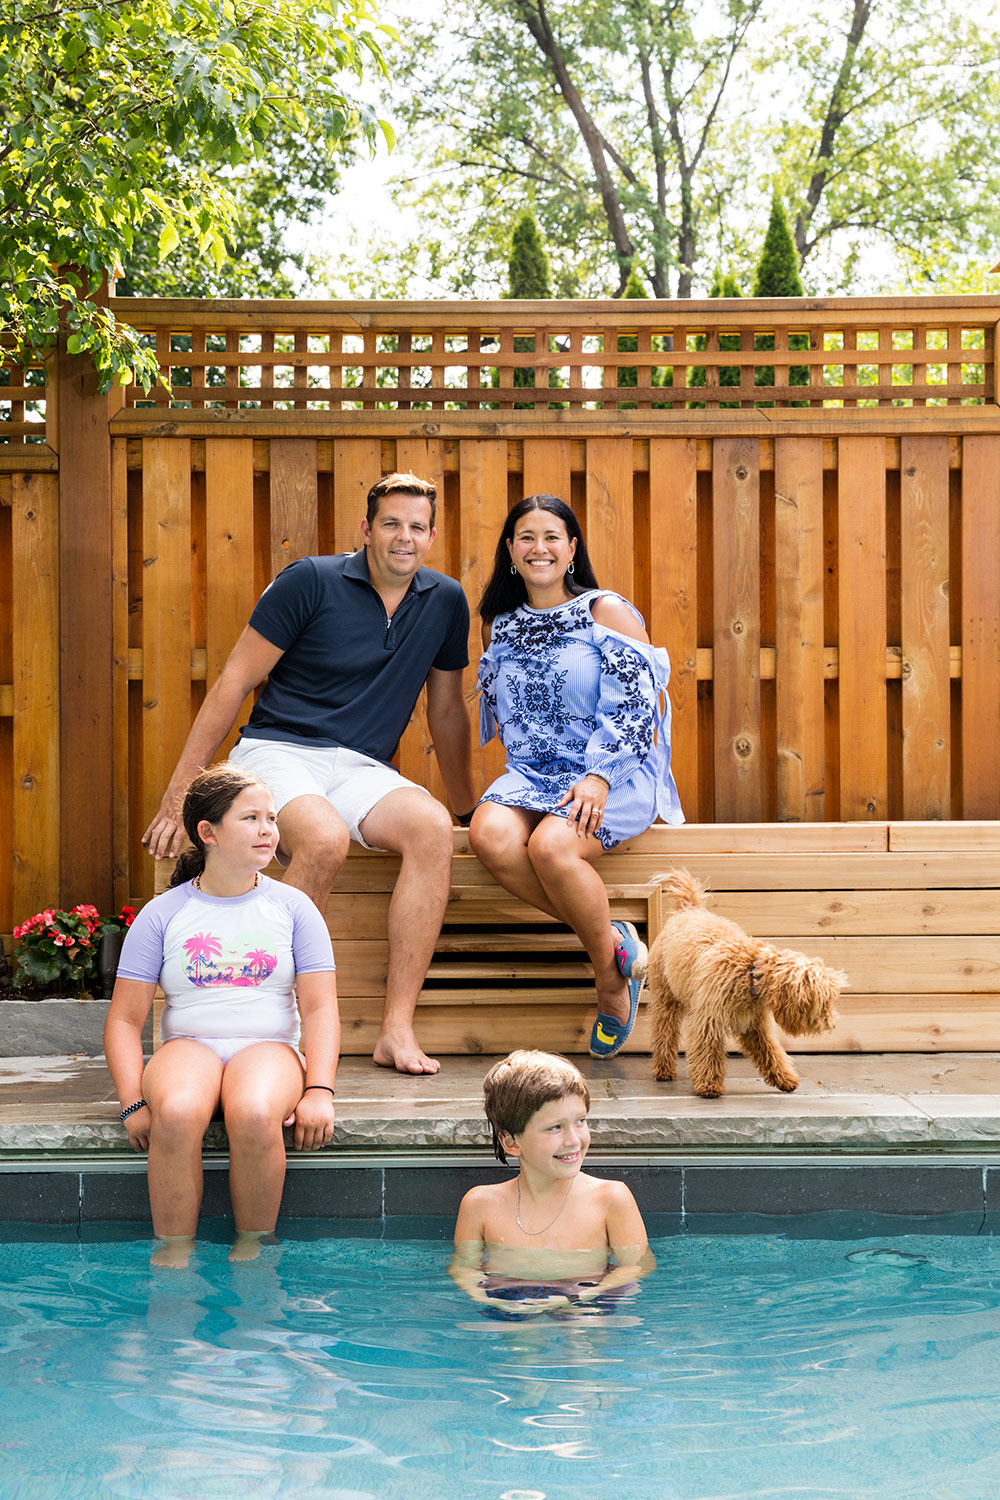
<point x="227" y="945"/>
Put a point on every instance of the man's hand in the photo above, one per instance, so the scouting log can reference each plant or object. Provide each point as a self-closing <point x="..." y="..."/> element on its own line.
<point x="448" y="722"/>
<point x="249" y="662"/>
<point x="165" y="835"/>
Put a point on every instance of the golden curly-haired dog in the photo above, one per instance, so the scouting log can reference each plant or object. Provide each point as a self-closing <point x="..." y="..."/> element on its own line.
<point x="722" y="983"/>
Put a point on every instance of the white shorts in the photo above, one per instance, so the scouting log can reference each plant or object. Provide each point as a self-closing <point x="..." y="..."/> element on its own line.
<point x="350" y="782"/>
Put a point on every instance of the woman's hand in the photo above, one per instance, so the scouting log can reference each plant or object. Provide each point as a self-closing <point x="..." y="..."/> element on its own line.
<point x="313" y="1120"/>
<point x="137" y="1128"/>
<point x="586" y="801"/>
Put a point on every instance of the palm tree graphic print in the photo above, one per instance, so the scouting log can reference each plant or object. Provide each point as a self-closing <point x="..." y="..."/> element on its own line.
<point x="204" y="948"/>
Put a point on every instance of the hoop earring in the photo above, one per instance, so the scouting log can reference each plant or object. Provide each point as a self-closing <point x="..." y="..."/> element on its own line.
<point x="513" y="570"/>
<point x="570" y="568"/>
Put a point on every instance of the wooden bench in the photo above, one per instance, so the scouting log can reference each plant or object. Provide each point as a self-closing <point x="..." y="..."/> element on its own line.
<point x="910" y="910"/>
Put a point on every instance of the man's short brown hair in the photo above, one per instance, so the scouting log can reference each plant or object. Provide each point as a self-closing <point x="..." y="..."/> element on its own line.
<point x="516" y="1088"/>
<point x="401" y="484"/>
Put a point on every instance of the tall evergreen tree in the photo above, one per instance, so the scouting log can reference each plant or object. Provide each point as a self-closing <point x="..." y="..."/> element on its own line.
<point x="778" y="276"/>
<point x="628" y="343"/>
<point x="528" y="266"/>
<point x="527" y="276"/>
<point x="778" y="268"/>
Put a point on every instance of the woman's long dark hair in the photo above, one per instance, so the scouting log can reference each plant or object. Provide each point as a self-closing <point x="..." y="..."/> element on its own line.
<point x="207" y="800"/>
<point x="505" y="590"/>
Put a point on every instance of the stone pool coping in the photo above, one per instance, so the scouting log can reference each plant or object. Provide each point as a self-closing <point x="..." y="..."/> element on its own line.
<point x="903" y="1135"/>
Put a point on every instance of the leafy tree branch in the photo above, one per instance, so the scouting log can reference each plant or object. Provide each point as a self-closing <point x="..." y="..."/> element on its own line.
<point x="118" y="124"/>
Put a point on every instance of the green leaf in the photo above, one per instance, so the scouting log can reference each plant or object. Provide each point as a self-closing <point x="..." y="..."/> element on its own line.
<point x="169" y="239"/>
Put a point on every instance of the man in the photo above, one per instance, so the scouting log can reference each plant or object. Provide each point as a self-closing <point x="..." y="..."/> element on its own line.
<point x="346" y="643"/>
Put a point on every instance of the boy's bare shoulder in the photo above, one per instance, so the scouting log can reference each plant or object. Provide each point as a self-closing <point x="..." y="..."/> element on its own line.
<point x="617" y="1192"/>
<point x="480" y="1200"/>
<point x="481" y="1195"/>
<point x="607" y="1189"/>
<point x="613" y="1200"/>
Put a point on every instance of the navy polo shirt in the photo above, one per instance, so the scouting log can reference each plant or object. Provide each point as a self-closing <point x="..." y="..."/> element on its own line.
<point x="349" y="675"/>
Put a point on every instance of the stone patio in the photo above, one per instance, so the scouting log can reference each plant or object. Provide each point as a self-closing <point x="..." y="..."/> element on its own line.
<point x="63" y="1108"/>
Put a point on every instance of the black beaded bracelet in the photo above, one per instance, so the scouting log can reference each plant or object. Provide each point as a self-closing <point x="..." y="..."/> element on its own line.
<point x="319" y="1086"/>
<point x="139" y="1104"/>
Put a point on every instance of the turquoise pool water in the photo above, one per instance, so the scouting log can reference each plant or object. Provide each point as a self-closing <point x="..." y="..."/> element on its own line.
<point x="339" y="1368"/>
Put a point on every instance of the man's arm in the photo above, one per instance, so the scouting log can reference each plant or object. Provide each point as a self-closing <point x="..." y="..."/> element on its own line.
<point x="448" y="722"/>
<point x="250" y="660"/>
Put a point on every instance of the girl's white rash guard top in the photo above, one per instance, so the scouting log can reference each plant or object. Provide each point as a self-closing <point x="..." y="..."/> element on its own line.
<point x="227" y="964"/>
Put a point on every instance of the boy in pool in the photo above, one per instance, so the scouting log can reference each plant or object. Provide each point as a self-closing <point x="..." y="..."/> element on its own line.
<point x="553" y="1237"/>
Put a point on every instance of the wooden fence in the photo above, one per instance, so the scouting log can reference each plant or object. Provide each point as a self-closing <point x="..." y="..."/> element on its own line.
<point x="803" y="499"/>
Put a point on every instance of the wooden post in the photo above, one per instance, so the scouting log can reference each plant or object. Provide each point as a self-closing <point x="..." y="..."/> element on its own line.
<point x="673" y="617"/>
<point x="86" y="742"/>
<point x="980" y="627"/>
<point x="861" y="521"/>
<point x="35" y="642"/>
<point x="736" y="636"/>
<point x="799" y="636"/>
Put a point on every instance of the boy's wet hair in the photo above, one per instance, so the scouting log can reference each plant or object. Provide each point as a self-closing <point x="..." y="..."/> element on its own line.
<point x="516" y="1088"/>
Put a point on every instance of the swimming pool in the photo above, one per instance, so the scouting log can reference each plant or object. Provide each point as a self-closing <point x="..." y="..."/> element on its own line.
<point x="340" y="1366"/>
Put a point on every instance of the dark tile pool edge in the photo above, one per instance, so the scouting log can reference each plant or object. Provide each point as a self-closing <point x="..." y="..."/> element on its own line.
<point x="688" y="1192"/>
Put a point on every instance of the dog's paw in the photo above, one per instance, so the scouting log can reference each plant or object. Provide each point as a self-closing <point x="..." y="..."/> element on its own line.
<point x="710" y="1093"/>
<point x="664" y="1077"/>
<point x="787" y="1085"/>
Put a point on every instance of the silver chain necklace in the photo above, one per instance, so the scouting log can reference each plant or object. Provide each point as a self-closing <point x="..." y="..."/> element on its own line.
<point x="196" y="882"/>
<point x="551" y="1221"/>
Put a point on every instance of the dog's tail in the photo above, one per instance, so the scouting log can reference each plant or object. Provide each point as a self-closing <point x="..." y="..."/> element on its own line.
<point x="680" y="889"/>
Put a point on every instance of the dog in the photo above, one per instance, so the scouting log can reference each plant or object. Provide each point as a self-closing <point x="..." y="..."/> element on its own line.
<point x="705" y="970"/>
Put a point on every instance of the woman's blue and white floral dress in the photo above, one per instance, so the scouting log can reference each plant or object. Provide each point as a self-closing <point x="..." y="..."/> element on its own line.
<point x="569" y="696"/>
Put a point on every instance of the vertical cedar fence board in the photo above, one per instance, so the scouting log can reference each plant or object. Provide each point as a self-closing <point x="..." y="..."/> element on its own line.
<point x="820" y="553"/>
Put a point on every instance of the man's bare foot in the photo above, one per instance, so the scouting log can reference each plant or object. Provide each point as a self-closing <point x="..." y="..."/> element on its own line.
<point x="173" y="1251"/>
<point x="400" y="1050"/>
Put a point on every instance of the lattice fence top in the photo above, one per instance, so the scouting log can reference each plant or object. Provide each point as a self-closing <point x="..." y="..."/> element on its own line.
<point x="22" y="403"/>
<point x="549" y="356"/>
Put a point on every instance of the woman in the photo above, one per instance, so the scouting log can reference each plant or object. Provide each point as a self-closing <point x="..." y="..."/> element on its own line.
<point x="227" y="945"/>
<point x="569" y="680"/>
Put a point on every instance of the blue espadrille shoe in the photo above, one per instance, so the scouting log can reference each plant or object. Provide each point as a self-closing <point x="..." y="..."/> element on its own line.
<point x="631" y="955"/>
